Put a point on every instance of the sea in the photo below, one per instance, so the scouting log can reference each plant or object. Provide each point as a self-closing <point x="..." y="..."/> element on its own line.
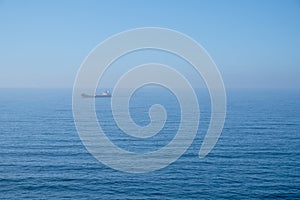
<point x="256" y="157"/>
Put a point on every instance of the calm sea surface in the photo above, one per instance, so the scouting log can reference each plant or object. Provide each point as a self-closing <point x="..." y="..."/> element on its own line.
<point x="256" y="157"/>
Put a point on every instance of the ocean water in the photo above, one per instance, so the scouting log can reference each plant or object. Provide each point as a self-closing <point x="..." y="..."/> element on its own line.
<point x="256" y="157"/>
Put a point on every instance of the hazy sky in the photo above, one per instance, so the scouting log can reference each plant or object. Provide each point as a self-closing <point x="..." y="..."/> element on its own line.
<point x="255" y="44"/>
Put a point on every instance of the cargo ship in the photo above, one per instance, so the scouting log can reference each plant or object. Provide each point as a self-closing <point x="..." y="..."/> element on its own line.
<point x="103" y="94"/>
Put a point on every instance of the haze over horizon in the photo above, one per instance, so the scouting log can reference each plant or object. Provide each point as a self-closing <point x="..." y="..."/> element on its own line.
<point x="255" y="44"/>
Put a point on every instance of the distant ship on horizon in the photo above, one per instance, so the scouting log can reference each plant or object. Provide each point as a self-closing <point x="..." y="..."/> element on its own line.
<point x="103" y="94"/>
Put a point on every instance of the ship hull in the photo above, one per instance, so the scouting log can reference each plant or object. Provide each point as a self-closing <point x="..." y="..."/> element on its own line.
<point x="95" y="96"/>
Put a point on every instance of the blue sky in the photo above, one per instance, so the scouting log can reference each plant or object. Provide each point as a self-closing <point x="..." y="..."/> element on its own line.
<point x="255" y="44"/>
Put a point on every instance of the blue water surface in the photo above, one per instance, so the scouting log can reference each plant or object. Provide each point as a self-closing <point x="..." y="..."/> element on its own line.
<point x="256" y="157"/>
